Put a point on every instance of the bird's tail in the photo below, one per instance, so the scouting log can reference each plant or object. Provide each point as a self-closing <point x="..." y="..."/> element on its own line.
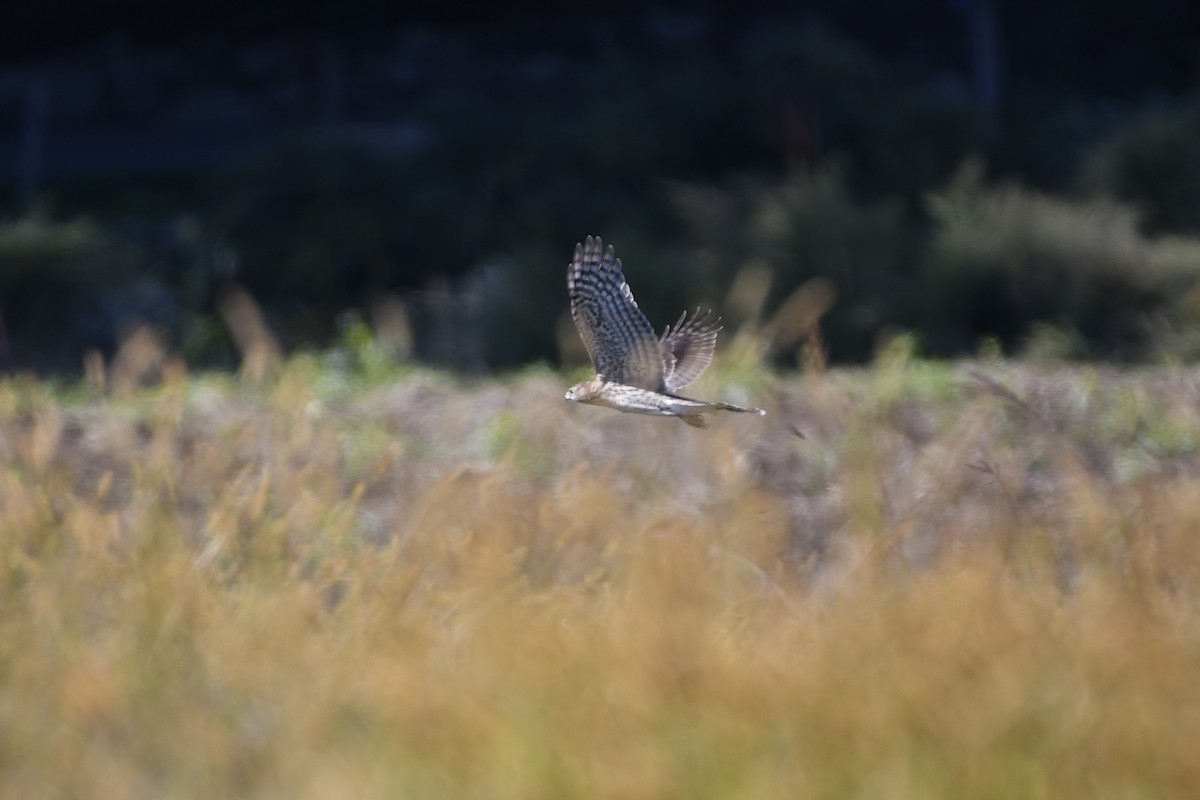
<point x="731" y="407"/>
<point x="696" y="418"/>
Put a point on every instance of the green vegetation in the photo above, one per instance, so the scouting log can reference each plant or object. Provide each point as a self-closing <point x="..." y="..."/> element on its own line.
<point x="1059" y="218"/>
<point x="1000" y="265"/>
<point x="915" y="580"/>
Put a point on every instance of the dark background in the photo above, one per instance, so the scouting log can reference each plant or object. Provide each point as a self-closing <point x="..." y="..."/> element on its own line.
<point x="970" y="171"/>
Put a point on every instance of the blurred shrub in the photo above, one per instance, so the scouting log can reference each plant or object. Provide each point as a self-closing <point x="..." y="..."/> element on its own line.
<point x="1031" y="269"/>
<point x="67" y="285"/>
<point x="514" y="171"/>
<point x="1175" y="260"/>
<point x="897" y="129"/>
<point x="465" y="195"/>
<point x="1045" y="276"/>
<point x="324" y="224"/>
<point x="1152" y="161"/>
<point x="808" y="226"/>
<point x="59" y="283"/>
<point x="36" y="247"/>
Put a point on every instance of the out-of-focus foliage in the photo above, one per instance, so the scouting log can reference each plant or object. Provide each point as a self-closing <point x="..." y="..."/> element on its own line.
<point x="66" y="277"/>
<point x="1007" y="261"/>
<point x="34" y="248"/>
<point x="958" y="581"/>
<point x="67" y="285"/>
<point x="1001" y="261"/>
<point x="1152" y="161"/>
<point x="1034" y="272"/>
<point x="806" y="227"/>
<point x="455" y="167"/>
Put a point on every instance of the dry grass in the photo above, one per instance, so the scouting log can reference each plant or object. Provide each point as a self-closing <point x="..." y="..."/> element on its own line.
<point x="949" y="585"/>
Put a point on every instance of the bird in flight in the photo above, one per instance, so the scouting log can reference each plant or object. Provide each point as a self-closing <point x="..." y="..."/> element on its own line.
<point x="635" y="370"/>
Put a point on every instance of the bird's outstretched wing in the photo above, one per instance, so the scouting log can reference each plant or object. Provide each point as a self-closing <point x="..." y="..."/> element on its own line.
<point x="617" y="334"/>
<point x="687" y="348"/>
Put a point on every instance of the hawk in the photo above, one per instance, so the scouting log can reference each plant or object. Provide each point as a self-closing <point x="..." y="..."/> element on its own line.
<point x="635" y="370"/>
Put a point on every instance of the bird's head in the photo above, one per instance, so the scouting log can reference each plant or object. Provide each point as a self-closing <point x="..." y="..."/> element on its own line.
<point x="585" y="392"/>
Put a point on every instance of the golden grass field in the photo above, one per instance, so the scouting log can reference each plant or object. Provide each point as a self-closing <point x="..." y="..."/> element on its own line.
<point x="910" y="581"/>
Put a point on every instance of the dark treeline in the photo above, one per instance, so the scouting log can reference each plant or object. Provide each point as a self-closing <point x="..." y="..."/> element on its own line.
<point x="973" y="170"/>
